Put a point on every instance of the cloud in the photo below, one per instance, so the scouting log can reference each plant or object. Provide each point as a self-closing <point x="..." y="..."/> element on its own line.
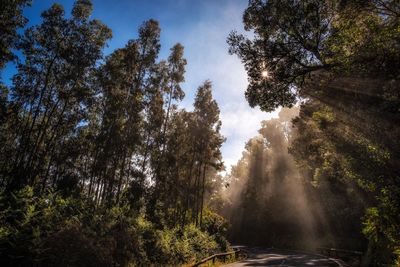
<point x="202" y="27"/>
<point x="207" y="53"/>
<point x="239" y="124"/>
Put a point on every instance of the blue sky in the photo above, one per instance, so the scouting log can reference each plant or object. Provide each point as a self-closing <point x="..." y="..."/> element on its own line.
<point x="202" y="27"/>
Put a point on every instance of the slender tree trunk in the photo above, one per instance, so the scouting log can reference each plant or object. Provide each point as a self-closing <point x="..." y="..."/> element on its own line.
<point x="146" y="151"/>
<point x="121" y="176"/>
<point x="197" y="194"/>
<point x="108" y="193"/>
<point x="164" y="131"/>
<point x="92" y="172"/>
<point x="26" y="136"/>
<point x="202" y="194"/>
<point x="48" y="170"/>
<point x="33" y="155"/>
<point x="188" y="190"/>
<point x="99" y="189"/>
<point x="42" y="129"/>
<point x="166" y="120"/>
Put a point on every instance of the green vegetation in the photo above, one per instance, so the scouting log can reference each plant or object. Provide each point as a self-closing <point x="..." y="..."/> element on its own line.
<point x="98" y="166"/>
<point x="52" y="230"/>
<point x="340" y="61"/>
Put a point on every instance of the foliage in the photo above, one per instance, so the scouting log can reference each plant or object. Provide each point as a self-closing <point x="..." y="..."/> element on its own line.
<point x="341" y="60"/>
<point x="350" y="163"/>
<point x="11" y="19"/>
<point x="53" y="230"/>
<point x="293" y="39"/>
<point x="87" y="178"/>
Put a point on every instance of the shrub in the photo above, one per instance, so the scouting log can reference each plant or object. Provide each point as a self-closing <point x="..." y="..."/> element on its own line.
<point x="54" y="230"/>
<point x="71" y="247"/>
<point x="200" y="242"/>
<point x="216" y="226"/>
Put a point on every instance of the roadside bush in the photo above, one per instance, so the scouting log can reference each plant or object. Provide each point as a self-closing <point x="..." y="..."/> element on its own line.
<point x="216" y="226"/>
<point x="71" y="247"/>
<point x="54" y="230"/>
<point x="200" y="242"/>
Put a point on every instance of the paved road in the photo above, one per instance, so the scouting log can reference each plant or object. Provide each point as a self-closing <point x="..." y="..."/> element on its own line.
<point x="273" y="257"/>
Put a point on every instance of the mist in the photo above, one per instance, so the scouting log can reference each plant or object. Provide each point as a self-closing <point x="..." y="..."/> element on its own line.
<point x="268" y="204"/>
<point x="273" y="200"/>
<point x="270" y="200"/>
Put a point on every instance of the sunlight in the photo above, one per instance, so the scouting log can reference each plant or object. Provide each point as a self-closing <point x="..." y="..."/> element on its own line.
<point x="265" y="74"/>
<point x="270" y="124"/>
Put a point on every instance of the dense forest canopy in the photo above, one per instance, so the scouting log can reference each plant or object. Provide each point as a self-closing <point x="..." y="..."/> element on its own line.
<point x="98" y="165"/>
<point x="339" y="60"/>
<point x="294" y="39"/>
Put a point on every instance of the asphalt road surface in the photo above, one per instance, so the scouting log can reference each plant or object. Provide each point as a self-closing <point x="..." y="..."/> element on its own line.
<point x="274" y="257"/>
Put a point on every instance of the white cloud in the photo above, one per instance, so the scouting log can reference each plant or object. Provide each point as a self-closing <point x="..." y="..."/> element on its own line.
<point x="207" y="53"/>
<point x="239" y="124"/>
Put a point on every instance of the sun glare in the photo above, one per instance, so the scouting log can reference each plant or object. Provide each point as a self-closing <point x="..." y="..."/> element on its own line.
<point x="265" y="74"/>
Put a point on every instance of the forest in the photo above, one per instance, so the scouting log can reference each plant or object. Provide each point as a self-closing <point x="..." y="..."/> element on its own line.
<point x="101" y="166"/>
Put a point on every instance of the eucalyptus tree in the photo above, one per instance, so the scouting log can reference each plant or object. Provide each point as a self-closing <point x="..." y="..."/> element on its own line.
<point x="172" y="91"/>
<point x="176" y="71"/>
<point x="154" y="116"/>
<point x="11" y="19"/>
<point x="51" y="90"/>
<point x="177" y="161"/>
<point x="208" y="141"/>
<point x="127" y="83"/>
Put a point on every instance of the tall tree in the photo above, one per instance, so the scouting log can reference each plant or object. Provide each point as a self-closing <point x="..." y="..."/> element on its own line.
<point x="172" y="92"/>
<point x="208" y="141"/>
<point x="51" y="90"/>
<point x="293" y="39"/>
<point x="11" y="19"/>
<point x="126" y="80"/>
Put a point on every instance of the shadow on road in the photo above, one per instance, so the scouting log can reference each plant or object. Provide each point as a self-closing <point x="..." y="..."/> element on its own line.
<point x="273" y="257"/>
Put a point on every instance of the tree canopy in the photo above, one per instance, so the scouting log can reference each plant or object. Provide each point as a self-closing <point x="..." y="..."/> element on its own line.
<point x="293" y="39"/>
<point x="98" y="164"/>
<point x="339" y="61"/>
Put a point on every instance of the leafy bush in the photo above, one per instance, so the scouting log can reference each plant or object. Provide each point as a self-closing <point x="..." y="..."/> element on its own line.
<point x="200" y="242"/>
<point x="382" y="230"/>
<point x="71" y="247"/>
<point x="53" y="230"/>
<point x="216" y="226"/>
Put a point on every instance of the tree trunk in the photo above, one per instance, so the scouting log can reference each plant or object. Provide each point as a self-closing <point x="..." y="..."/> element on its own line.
<point x="202" y="194"/>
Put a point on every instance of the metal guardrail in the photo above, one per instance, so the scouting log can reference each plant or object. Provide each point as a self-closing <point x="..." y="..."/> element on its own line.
<point x="222" y="256"/>
<point x="341" y="253"/>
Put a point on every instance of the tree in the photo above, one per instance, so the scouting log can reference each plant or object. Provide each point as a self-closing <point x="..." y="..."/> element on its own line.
<point x="127" y="82"/>
<point x="340" y="58"/>
<point x="172" y="92"/>
<point x="51" y="91"/>
<point x="95" y="151"/>
<point x="341" y="161"/>
<point x="293" y="39"/>
<point x="207" y="142"/>
<point x="268" y="201"/>
<point x="11" y="19"/>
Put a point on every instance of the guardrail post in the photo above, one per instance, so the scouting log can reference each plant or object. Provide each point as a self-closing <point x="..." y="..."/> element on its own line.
<point x="212" y="258"/>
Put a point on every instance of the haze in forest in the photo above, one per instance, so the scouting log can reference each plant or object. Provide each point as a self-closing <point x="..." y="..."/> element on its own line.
<point x="158" y="133"/>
